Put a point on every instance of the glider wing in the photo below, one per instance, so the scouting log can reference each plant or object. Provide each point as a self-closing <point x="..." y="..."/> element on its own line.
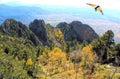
<point x="100" y="10"/>
<point x="92" y="5"/>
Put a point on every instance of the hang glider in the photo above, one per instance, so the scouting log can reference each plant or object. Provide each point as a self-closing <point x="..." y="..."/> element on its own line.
<point x="96" y="7"/>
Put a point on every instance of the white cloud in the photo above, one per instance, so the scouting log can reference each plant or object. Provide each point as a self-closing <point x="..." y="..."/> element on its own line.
<point x="110" y="4"/>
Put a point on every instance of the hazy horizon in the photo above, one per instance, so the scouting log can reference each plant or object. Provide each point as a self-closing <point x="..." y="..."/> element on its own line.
<point x="55" y="11"/>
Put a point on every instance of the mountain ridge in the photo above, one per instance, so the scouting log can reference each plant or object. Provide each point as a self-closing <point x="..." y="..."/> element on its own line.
<point x="15" y="28"/>
<point x="78" y="31"/>
<point x="41" y="33"/>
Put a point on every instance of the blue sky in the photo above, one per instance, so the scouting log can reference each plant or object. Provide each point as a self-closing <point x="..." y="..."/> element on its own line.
<point x="106" y="4"/>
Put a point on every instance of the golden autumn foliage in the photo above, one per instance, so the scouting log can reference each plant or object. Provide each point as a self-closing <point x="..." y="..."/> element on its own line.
<point x="87" y="52"/>
<point x="59" y="35"/>
<point x="84" y="63"/>
<point x="29" y="61"/>
<point x="53" y="61"/>
<point x="55" y="65"/>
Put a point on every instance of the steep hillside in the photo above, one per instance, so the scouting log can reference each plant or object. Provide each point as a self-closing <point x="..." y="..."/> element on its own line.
<point x="14" y="28"/>
<point x="57" y="58"/>
<point x="55" y="36"/>
<point x="46" y="33"/>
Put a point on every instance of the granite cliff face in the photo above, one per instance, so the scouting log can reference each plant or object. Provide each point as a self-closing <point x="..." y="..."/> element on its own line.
<point x="38" y="28"/>
<point x="46" y="33"/>
<point x="77" y="31"/>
